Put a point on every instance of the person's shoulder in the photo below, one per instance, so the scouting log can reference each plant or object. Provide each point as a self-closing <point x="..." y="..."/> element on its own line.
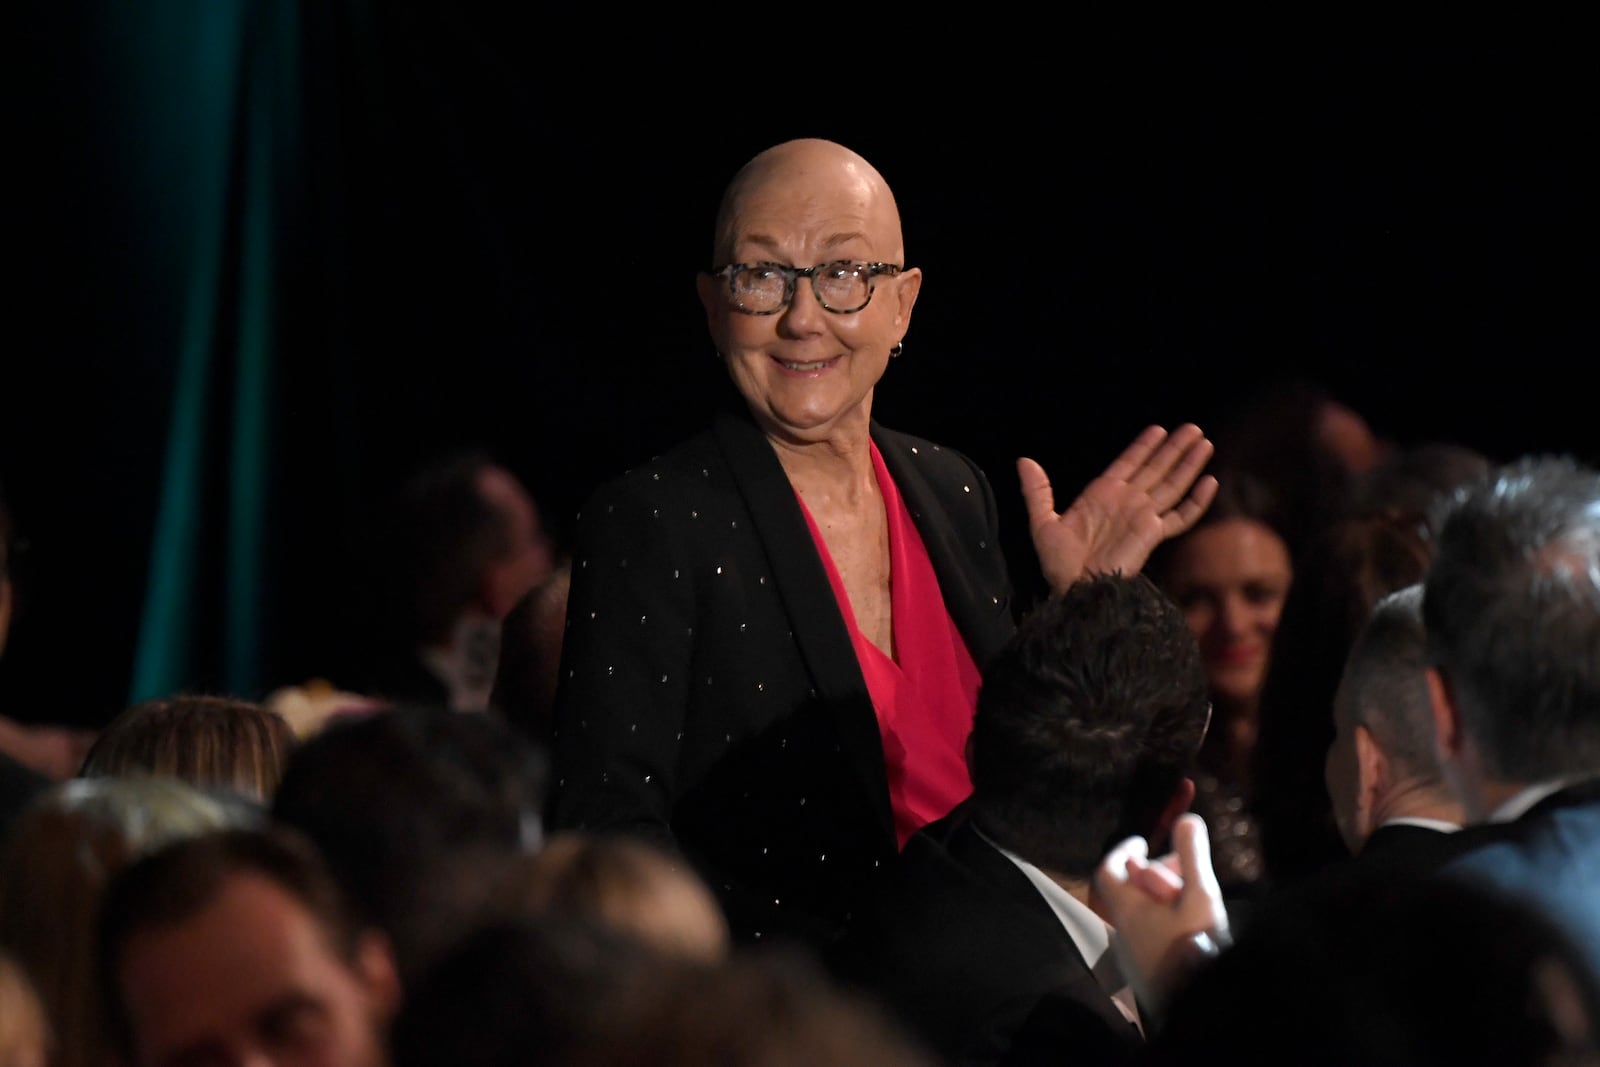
<point x="937" y="461"/>
<point x="912" y="444"/>
<point x="1498" y="852"/>
<point x="662" y="473"/>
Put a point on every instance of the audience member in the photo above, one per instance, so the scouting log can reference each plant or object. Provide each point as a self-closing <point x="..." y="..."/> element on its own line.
<point x="25" y="1037"/>
<point x="1511" y="606"/>
<point x="1231" y="574"/>
<point x="1383" y="775"/>
<point x="1345" y="569"/>
<point x="778" y="625"/>
<point x="578" y="994"/>
<point x="237" y="947"/>
<point x="623" y="882"/>
<point x="398" y="798"/>
<point x="1404" y="971"/>
<point x="762" y="1008"/>
<point x="1408" y="970"/>
<point x="1415" y="480"/>
<point x="1305" y="443"/>
<point x="56" y="863"/>
<point x="520" y="988"/>
<point x="530" y="657"/>
<point x="216" y="742"/>
<point x="463" y="545"/>
<point x="985" y="937"/>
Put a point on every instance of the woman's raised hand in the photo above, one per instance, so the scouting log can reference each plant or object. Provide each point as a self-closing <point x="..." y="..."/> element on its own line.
<point x="1152" y="491"/>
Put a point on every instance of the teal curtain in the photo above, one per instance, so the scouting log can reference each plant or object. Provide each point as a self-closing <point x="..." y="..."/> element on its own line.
<point x="217" y="91"/>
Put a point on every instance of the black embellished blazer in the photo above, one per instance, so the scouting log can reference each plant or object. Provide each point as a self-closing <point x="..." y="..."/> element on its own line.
<point x="709" y="695"/>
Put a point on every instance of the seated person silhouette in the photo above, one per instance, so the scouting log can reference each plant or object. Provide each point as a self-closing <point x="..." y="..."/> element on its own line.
<point x="463" y="545"/>
<point x="1388" y="790"/>
<point x="984" y="937"/>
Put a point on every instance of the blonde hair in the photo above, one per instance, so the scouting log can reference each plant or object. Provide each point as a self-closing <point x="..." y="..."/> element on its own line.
<point x="209" y="741"/>
<point x="59" y="855"/>
<point x="623" y="883"/>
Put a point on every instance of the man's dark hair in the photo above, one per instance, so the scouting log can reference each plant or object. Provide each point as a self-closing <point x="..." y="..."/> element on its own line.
<point x="444" y="533"/>
<point x="1385" y="688"/>
<point x="394" y="798"/>
<point x="1345" y="568"/>
<point x="1086" y="722"/>
<point x="1511" y="606"/>
<point x="177" y="881"/>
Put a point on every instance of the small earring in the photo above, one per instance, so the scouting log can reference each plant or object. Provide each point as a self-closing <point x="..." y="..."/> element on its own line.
<point x="899" y="347"/>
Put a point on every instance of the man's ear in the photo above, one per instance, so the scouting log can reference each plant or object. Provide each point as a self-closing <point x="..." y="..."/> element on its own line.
<point x="1182" y="798"/>
<point x="1372" y="781"/>
<point x="379" y="974"/>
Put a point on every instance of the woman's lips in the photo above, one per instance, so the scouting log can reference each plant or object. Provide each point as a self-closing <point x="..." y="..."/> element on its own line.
<point x="1235" y="657"/>
<point x="805" y="367"/>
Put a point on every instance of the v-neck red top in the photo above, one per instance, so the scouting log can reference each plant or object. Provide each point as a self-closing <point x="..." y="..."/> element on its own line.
<point x="926" y="693"/>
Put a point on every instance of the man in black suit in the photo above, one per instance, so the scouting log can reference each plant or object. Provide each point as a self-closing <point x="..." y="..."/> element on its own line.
<point x="1512" y="610"/>
<point x="1388" y="790"/>
<point x="984" y="936"/>
<point x="462" y="545"/>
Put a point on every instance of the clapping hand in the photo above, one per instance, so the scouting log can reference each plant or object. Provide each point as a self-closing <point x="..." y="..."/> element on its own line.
<point x="1168" y="913"/>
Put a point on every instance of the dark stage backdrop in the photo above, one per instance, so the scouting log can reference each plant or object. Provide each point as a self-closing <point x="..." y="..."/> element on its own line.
<point x="272" y="255"/>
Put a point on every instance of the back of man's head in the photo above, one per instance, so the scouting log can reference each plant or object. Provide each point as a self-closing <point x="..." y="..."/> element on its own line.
<point x="1384" y="690"/>
<point x="445" y="533"/>
<point x="1512" y="610"/>
<point x="1087" y="723"/>
<point x="1383" y="684"/>
<point x="394" y="797"/>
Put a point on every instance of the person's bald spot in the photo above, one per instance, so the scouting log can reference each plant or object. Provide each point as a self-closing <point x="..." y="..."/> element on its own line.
<point x="806" y="169"/>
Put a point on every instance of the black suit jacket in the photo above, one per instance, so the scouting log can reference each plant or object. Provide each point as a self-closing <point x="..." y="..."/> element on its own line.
<point x="1551" y="857"/>
<point x="1402" y="848"/>
<point x="1394" y="856"/>
<point x="959" y="945"/>
<point x="709" y="695"/>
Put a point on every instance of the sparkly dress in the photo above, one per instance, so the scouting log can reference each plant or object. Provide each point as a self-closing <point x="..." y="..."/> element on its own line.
<point x="1235" y="834"/>
<point x="1222" y="798"/>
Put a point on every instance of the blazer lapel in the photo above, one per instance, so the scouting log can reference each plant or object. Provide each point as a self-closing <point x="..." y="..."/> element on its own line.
<point x="802" y="583"/>
<point x="1074" y="976"/>
<point x="971" y="609"/>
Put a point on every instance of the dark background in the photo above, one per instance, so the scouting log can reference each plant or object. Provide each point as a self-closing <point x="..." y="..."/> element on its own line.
<point x="487" y="234"/>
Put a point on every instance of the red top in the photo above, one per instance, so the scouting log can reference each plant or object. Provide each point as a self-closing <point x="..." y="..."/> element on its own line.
<point x="926" y="695"/>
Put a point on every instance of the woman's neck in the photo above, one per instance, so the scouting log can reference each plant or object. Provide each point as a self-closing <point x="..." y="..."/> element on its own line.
<point x="838" y="467"/>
